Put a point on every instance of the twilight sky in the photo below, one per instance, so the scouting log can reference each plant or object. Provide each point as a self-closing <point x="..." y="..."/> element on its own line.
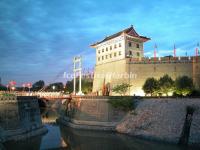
<point x="38" y="38"/>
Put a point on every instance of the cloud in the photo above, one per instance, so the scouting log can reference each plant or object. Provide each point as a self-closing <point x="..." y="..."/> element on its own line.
<point x="40" y="38"/>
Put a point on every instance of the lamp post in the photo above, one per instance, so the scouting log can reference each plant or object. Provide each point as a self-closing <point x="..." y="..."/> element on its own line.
<point x="53" y="87"/>
<point x="23" y="85"/>
<point x="13" y="88"/>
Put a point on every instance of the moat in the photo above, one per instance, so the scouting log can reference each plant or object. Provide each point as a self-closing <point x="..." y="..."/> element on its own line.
<point x="62" y="137"/>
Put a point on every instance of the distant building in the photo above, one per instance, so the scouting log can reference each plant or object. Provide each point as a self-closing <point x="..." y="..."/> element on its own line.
<point x="120" y="59"/>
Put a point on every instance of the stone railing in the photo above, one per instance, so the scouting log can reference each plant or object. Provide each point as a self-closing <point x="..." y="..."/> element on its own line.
<point x="8" y="98"/>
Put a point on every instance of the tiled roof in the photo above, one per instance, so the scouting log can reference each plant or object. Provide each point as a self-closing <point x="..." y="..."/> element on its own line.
<point x="130" y="31"/>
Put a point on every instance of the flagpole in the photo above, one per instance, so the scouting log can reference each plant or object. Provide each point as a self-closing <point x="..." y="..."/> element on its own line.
<point x="155" y="47"/>
<point x="174" y="50"/>
<point x="197" y="50"/>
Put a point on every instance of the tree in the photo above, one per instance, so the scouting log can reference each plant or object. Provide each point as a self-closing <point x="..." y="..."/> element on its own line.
<point x="38" y="85"/>
<point x="69" y="86"/>
<point x="86" y="85"/>
<point x="150" y="86"/>
<point x="2" y="88"/>
<point x="184" y="85"/>
<point x="121" y="88"/>
<point x="166" y="84"/>
<point x="55" y="87"/>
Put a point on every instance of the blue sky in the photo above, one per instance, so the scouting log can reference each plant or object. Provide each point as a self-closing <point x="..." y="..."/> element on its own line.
<point x="38" y="38"/>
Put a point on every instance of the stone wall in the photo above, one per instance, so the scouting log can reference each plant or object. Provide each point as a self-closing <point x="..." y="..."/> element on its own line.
<point x="9" y="114"/>
<point x="19" y="117"/>
<point x="141" y="70"/>
<point x="162" y="119"/>
<point x="101" y="74"/>
<point x="94" y="111"/>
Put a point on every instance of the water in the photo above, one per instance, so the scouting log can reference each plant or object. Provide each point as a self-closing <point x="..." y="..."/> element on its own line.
<point x="61" y="137"/>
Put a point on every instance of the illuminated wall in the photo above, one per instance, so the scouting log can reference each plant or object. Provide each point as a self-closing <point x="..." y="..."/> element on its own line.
<point x="142" y="70"/>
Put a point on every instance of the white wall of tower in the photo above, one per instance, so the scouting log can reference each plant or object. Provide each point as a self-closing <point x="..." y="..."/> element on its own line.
<point x="111" y="50"/>
<point x="118" y="48"/>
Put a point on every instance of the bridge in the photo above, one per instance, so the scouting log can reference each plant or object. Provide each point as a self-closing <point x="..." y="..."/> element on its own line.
<point x="41" y="95"/>
<point x="49" y="95"/>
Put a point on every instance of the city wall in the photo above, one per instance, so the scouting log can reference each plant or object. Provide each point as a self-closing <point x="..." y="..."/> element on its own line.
<point x="136" y="71"/>
<point x="19" y="118"/>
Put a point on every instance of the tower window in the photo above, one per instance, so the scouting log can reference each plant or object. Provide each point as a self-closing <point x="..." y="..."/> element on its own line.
<point x="130" y="53"/>
<point x="129" y="44"/>
<point x="102" y="50"/>
<point x="138" y="54"/>
<point x="115" y="46"/>
<point x="102" y="57"/>
<point x="106" y="49"/>
<point x="110" y="47"/>
<point x="99" y="51"/>
<point x="98" y="58"/>
<point x="110" y="55"/>
<point x="137" y="45"/>
<point x="119" y="53"/>
<point x="115" y="54"/>
<point x="120" y="45"/>
<point x="106" y="56"/>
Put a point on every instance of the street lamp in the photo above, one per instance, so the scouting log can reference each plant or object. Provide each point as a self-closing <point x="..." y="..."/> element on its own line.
<point x="13" y="88"/>
<point x="53" y="87"/>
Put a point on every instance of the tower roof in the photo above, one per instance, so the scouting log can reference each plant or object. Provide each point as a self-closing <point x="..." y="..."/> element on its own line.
<point x="129" y="31"/>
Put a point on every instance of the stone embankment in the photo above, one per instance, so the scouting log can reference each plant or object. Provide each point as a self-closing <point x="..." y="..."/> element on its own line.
<point x="164" y="119"/>
<point x="92" y="113"/>
<point x="19" y="118"/>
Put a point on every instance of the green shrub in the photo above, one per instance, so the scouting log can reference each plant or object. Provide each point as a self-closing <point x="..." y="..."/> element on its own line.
<point x="151" y="86"/>
<point x="121" y="88"/>
<point x="124" y="103"/>
<point x="195" y="92"/>
<point x="184" y="85"/>
<point x="7" y="94"/>
<point x="166" y="84"/>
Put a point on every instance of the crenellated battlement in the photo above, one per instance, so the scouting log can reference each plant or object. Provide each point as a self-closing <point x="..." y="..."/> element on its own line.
<point x="167" y="59"/>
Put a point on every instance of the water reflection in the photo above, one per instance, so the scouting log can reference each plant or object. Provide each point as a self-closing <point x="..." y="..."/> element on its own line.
<point x="29" y="144"/>
<point x="62" y="137"/>
<point x="92" y="140"/>
<point x="53" y="139"/>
